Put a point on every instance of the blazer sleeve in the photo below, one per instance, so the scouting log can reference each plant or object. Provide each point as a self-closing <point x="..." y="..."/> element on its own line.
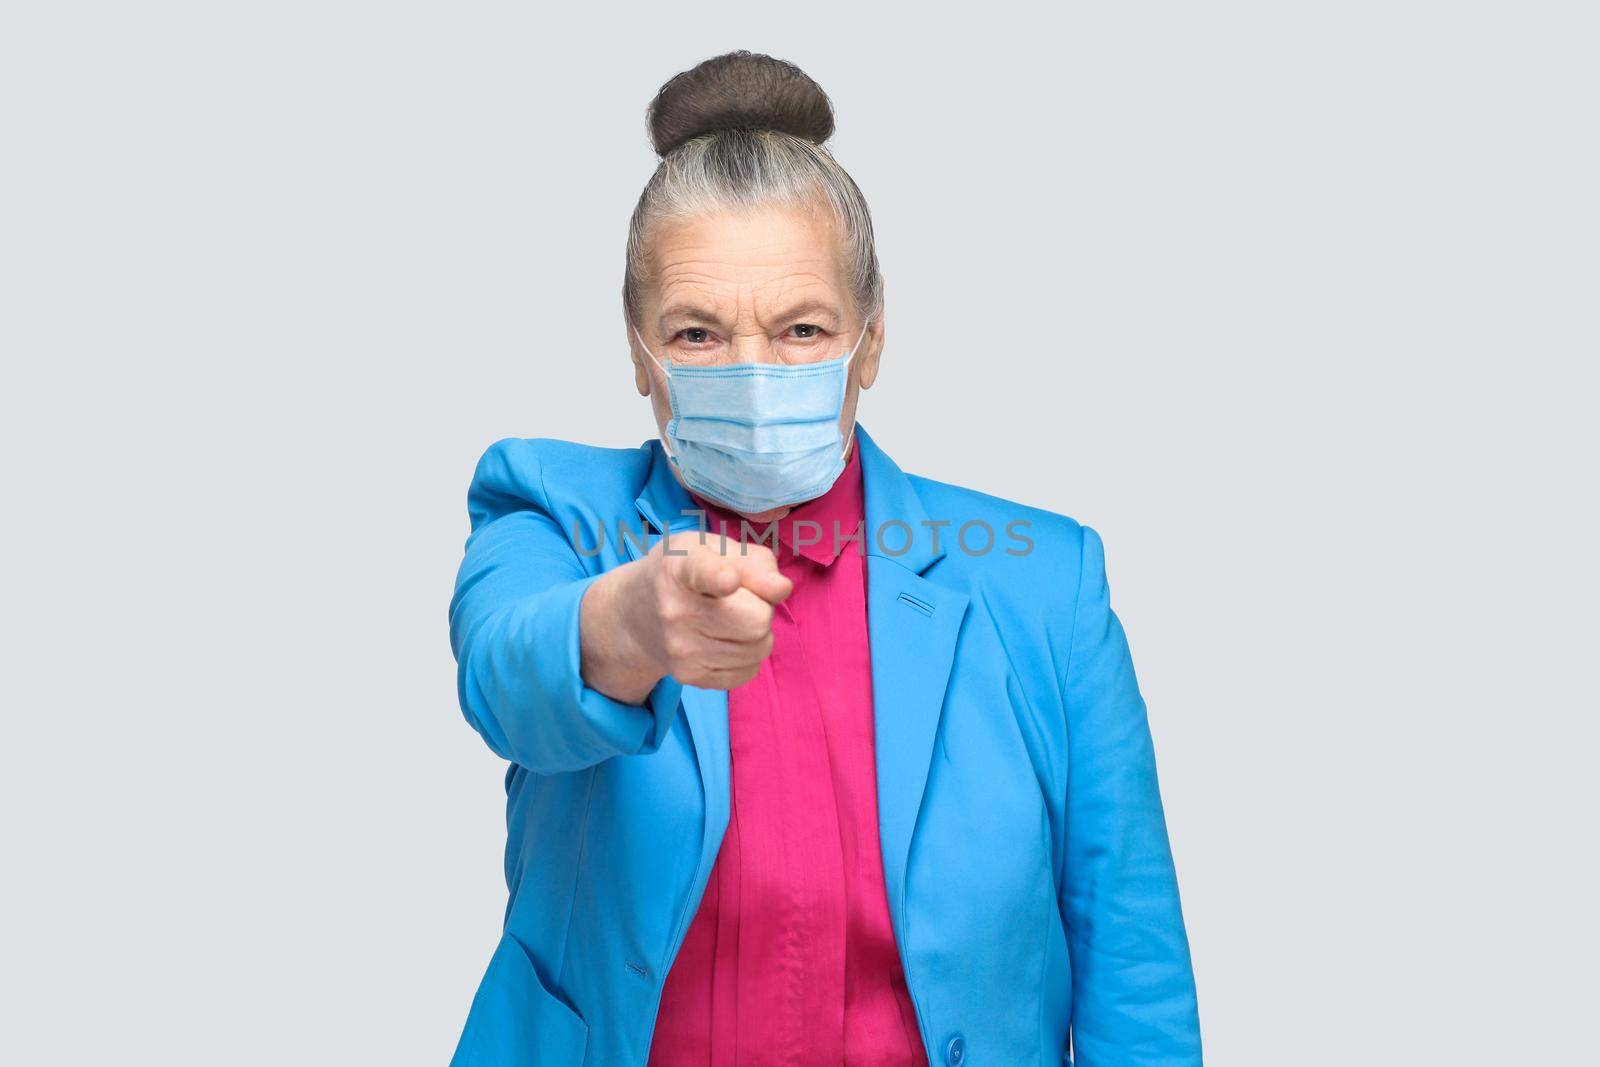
<point x="514" y="628"/>
<point x="1133" y="1001"/>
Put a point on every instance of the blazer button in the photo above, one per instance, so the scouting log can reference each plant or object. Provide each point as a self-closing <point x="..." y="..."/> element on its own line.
<point x="955" y="1052"/>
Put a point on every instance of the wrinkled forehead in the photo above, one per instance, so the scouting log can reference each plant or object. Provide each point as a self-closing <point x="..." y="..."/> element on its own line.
<point x="747" y="268"/>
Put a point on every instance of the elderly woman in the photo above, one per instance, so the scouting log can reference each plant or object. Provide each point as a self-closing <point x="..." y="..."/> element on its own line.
<point x="812" y="761"/>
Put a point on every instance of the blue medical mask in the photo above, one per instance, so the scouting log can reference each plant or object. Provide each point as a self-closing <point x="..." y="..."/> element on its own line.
<point x="757" y="436"/>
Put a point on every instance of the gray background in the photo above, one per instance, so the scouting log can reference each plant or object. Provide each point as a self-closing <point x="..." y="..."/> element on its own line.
<point x="1294" y="302"/>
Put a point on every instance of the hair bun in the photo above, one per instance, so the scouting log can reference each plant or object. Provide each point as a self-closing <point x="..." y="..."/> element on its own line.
<point x="739" y="91"/>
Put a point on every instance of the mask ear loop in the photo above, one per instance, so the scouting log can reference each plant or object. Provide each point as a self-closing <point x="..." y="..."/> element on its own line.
<point x="848" y="360"/>
<point x="662" y="434"/>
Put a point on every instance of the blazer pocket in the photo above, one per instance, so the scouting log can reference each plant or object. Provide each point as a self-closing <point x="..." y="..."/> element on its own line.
<point x="516" y="1021"/>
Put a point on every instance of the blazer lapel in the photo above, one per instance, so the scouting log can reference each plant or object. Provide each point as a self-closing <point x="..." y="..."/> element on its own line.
<point x="913" y="625"/>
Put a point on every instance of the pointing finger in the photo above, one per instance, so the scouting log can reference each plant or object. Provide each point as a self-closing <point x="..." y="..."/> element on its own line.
<point x="758" y="572"/>
<point x="706" y="572"/>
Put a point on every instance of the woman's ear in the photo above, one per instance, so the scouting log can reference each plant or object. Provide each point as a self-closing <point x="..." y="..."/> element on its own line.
<point x="641" y="373"/>
<point x="871" y="351"/>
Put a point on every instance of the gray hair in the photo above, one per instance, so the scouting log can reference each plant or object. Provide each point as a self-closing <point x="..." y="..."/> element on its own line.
<point x="744" y="131"/>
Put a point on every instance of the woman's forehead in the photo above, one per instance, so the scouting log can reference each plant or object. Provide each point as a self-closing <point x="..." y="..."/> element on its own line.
<point x="773" y="260"/>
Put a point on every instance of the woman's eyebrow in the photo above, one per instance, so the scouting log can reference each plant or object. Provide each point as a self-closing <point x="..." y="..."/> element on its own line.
<point x="809" y="309"/>
<point x="804" y="309"/>
<point x="686" y="311"/>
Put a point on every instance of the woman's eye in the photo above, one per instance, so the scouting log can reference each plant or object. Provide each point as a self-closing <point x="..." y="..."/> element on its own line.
<point x="807" y="329"/>
<point x="697" y="335"/>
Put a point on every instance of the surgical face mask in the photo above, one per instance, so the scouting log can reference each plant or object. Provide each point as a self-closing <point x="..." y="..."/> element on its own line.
<point x="757" y="436"/>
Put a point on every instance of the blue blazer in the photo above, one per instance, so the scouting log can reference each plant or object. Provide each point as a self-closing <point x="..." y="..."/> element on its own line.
<point x="1025" y="852"/>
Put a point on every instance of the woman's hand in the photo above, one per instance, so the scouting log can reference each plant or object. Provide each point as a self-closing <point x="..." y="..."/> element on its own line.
<point x="698" y="607"/>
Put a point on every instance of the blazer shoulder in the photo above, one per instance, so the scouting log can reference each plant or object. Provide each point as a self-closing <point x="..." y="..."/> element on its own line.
<point x="1034" y="574"/>
<point x="1052" y="533"/>
<point x="545" y="473"/>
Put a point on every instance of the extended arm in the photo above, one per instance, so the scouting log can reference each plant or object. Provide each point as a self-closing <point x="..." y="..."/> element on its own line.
<point x="559" y="669"/>
<point x="516" y="628"/>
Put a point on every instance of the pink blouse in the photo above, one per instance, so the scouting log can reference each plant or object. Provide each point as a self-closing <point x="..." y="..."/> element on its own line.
<point x="791" y="958"/>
